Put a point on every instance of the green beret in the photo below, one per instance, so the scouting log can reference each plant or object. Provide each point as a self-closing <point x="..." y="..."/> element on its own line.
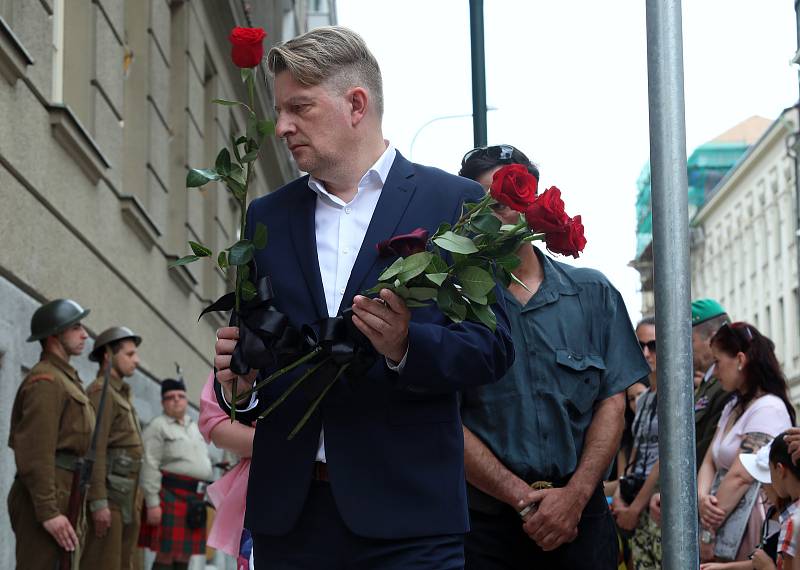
<point x="705" y="309"/>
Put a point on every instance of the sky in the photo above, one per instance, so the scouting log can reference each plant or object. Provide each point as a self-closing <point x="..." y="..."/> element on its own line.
<point x="568" y="80"/>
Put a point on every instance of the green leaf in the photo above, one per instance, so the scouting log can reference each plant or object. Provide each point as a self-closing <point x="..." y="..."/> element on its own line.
<point x="222" y="260"/>
<point x="199" y="249"/>
<point x="509" y="262"/>
<point x="422" y="293"/>
<point x="485" y="224"/>
<point x="237" y="173"/>
<point x="451" y="304"/>
<point x="200" y="176"/>
<point x="241" y="252"/>
<point x="252" y="130"/>
<point x="475" y="282"/>
<point x="235" y="147"/>
<point x="265" y="127"/>
<point x="392" y="270"/>
<point x="248" y="290"/>
<point x="443" y="228"/>
<point x="455" y="243"/>
<point x="485" y="315"/>
<point x="237" y="188"/>
<point x="377" y="288"/>
<point x="437" y="278"/>
<point x="244" y="271"/>
<point x="229" y="103"/>
<point x="414" y="265"/>
<point x="183" y="261"/>
<point x="437" y="265"/>
<point x="260" y="236"/>
<point x="250" y="156"/>
<point x="223" y="162"/>
<point x="413" y="304"/>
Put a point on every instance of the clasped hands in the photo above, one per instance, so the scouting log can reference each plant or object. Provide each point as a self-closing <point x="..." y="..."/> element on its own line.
<point x="554" y="519"/>
<point x="384" y="321"/>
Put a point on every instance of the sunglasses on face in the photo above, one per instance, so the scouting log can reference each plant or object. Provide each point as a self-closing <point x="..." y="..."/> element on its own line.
<point x="650" y="345"/>
<point x="499" y="152"/>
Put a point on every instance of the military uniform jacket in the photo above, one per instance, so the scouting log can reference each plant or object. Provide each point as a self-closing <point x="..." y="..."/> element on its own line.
<point x="119" y="431"/>
<point x="709" y="400"/>
<point x="51" y="415"/>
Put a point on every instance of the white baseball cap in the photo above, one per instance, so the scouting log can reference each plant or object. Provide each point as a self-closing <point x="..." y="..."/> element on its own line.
<point x="757" y="464"/>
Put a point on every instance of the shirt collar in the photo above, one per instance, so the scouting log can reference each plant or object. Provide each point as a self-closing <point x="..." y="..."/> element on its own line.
<point x="61" y="364"/>
<point x="709" y="373"/>
<point x="554" y="276"/>
<point x="374" y="178"/>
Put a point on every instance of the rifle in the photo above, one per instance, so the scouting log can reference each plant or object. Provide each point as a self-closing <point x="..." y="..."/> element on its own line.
<point x="82" y="474"/>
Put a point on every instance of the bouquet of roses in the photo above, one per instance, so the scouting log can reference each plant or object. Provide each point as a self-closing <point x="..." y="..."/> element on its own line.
<point x="456" y="268"/>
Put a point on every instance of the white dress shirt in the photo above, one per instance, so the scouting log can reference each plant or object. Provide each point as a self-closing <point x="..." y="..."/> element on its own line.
<point x="340" y="229"/>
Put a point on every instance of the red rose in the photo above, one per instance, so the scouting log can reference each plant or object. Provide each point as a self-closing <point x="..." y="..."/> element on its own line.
<point x="248" y="46"/>
<point x="569" y="241"/>
<point x="404" y="245"/>
<point x="514" y="187"/>
<point x="547" y="213"/>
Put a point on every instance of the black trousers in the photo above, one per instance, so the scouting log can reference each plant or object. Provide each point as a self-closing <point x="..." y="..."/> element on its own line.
<point x="498" y="542"/>
<point x="321" y="541"/>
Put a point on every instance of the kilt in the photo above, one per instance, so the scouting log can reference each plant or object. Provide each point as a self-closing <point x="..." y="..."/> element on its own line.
<point x="173" y="536"/>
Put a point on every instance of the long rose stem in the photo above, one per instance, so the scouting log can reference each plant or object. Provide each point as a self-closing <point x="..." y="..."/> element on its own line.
<point x="278" y="373"/>
<point x="316" y="402"/>
<point x="293" y="387"/>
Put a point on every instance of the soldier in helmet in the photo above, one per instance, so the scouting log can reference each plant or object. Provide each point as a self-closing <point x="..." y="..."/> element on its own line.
<point x="115" y="503"/>
<point x="51" y="428"/>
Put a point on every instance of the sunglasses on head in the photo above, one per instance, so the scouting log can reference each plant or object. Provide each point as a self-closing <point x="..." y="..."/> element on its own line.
<point x="740" y="328"/>
<point x="650" y="344"/>
<point x="499" y="152"/>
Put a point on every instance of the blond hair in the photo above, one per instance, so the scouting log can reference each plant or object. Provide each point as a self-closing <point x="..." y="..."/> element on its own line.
<point x="330" y="54"/>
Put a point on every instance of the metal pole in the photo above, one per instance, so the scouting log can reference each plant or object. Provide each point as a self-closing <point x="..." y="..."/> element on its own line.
<point x="478" y="73"/>
<point x="676" y="437"/>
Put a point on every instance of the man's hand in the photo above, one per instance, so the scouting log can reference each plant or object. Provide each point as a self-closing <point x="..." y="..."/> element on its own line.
<point x="61" y="530"/>
<point x="555" y="520"/>
<point x="154" y="516"/>
<point x="793" y="440"/>
<point x="711" y="516"/>
<point x="627" y="516"/>
<point x="227" y="337"/>
<point x="385" y="323"/>
<point x="102" y="521"/>
<point x="655" y="508"/>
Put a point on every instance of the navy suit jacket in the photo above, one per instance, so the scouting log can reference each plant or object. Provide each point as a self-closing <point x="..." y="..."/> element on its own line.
<point x="394" y="442"/>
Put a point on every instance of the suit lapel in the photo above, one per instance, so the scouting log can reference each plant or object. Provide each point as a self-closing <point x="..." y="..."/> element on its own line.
<point x="395" y="196"/>
<point x="304" y="238"/>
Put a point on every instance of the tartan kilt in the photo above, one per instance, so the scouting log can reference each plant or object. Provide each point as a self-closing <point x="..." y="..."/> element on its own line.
<point x="173" y="536"/>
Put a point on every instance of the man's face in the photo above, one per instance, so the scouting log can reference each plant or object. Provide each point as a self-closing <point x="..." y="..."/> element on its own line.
<point x="501" y="212"/>
<point x="73" y="339"/>
<point x="315" y="121"/>
<point x="646" y="334"/>
<point x="175" y="403"/>
<point x="702" y="356"/>
<point x="126" y="360"/>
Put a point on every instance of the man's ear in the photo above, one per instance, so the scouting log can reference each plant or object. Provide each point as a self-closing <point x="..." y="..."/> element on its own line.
<point x="359" y="101"/>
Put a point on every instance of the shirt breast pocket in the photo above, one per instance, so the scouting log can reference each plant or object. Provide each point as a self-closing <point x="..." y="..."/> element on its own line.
<point x="581" y="382"/>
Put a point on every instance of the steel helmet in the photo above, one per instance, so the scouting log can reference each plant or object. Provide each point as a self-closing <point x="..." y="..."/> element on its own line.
<point x="110" y="335"/>
<point x="55" y="317"/>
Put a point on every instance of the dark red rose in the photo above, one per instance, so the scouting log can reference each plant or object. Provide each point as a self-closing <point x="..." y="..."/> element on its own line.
<point x="547" y="213"/>
<point x="570" y="241"/>
<point x="248" y="46"/>
<point x="514" y="187"/>
<point x="404" y="245"/>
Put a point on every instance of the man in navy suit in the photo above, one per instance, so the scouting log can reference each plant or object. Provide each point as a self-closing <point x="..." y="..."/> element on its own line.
<point x="376" y="477"/>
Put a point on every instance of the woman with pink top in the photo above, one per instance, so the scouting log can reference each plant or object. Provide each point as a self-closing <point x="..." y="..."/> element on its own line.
<point x="228" y="494"/>
<point x="745" y="365"/>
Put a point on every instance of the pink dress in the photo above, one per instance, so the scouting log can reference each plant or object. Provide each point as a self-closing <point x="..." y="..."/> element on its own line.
<point x="766" y="414"/>
<point x="229" y="493"/>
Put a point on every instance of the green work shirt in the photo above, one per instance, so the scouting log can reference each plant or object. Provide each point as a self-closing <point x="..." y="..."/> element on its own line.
<point x="575" y="346"/>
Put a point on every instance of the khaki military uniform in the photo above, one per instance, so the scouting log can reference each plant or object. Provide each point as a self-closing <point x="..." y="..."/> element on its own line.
<point x="119" y="458"/>
<point x="51" y="427"/>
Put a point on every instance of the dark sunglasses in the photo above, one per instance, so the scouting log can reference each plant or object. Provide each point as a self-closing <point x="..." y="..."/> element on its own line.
<point x="502" y="152"/>
<point x="650" y="344"/>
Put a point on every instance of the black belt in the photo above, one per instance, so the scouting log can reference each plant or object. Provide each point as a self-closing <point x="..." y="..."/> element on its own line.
<point x="180" y="483"/>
